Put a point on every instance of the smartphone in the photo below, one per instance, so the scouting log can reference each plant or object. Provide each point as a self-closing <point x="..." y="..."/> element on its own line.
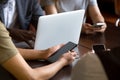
<point x="67" y="47"/>
<point x="99" y="47"/>
<point x="96" y="25"/>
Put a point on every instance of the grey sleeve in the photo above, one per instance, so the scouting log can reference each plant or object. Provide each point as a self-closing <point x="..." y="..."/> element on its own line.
<point x="93" y="2"/>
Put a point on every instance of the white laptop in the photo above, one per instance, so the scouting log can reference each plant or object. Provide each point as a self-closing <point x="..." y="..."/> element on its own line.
<point x="59" y="29"/>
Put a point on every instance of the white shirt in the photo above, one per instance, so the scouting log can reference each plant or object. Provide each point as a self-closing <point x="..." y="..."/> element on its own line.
<point x="71" y="5"/>
<point x="9" y="11"/>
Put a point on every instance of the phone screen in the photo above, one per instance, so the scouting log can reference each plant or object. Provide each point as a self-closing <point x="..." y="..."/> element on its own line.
<point x="98" y="24"/>
<point x="67" y="47"/>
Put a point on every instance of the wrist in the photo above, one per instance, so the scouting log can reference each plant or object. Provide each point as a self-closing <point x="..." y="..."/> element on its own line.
<point x="63" y="61"/>
<point x="42" y="54"/>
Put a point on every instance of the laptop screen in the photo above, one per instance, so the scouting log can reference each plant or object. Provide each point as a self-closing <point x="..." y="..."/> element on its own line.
<point x="59" y="29"/>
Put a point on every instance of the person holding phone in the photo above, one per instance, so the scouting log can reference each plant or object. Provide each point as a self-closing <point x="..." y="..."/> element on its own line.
<point x="100" y="64"/>
<point x="90" y="6"/>
<point x="89" y="67"/>
<point x="14" y="62"/>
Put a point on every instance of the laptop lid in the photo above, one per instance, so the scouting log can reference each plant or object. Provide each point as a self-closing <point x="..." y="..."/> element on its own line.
<point x="59" y="28"/>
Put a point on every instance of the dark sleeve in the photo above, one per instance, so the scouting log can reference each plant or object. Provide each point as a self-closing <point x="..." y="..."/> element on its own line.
<point x="37" y="12"/>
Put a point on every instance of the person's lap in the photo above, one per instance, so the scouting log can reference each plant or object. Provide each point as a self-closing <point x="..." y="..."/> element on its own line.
<point x="5" y="75"/>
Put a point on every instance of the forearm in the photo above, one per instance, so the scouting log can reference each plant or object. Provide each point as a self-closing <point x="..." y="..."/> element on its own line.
<point x="30" y="54"/>
<point x="95" y="14"/>
<point x="18" y="68"/>
<point x="22" y="71"/>
<point x="50" y="9"/>
<point x="50" y="70"/>
<point x="98" y="18"/>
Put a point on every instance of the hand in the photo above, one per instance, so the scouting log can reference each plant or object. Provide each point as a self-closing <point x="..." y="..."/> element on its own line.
<point x="48" y="52"/>
<point x="101" y="29"/>
<point x="68" y="57"/>
<point x="22" y="35"/>
<point x="89" y="29"/>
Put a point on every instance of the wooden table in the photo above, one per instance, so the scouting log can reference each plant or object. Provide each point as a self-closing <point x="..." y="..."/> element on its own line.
<point x="110" y="39"/>
<point x="63" y="74"/>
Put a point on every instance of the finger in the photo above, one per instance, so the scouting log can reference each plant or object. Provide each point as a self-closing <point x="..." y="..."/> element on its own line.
<point x="100" y="30"/>
<point x="73" y="53"/>
<point x="89" y="31"/>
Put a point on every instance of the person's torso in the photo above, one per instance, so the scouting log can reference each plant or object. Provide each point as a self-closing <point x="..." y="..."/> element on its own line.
<point x="70" y="5"/>
<point x="25" y="12"/>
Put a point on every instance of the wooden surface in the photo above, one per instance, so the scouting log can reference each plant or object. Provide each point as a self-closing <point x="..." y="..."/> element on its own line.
<point x="110" y="39"/>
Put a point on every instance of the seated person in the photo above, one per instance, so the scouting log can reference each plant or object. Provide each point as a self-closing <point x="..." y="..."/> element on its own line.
<point x="102" y="65"/>
<point x="89" y="67"/>
<point x="90" y="7"/>
<point x="18" y="16"/>
<point x="13" y="61"/>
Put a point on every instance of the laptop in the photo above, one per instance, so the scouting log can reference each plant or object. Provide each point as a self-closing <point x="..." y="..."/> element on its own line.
<point x="58" y="29"/>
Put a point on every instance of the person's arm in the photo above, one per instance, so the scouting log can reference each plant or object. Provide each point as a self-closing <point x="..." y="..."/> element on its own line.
<point x="50" y="9"/>
<point x="22" y="71"/>
<point x="97" y="17"/>
<point x="31" y="54"/>
<point x="95" y="14"/>
<point x="14" y="63"/>
<point x="48" y="6"/>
